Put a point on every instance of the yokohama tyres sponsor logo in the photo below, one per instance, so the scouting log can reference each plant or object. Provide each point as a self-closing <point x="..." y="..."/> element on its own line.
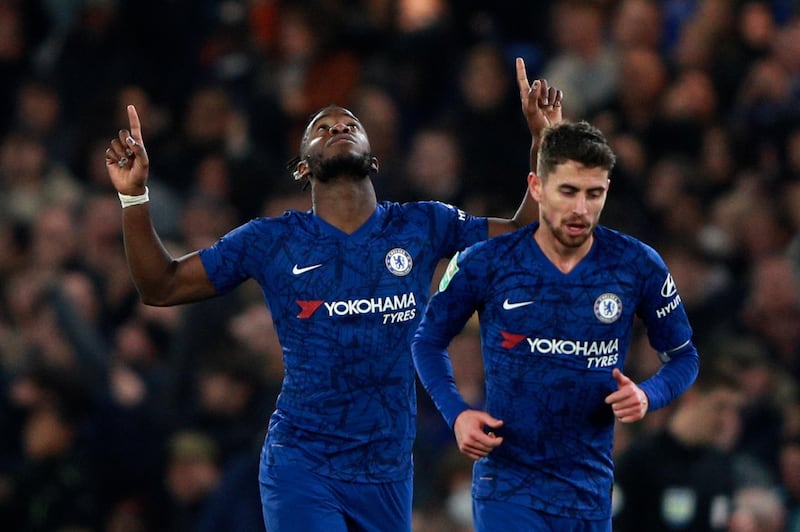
<point x="553" y="346"/>
<point x="597" y="354"/>
<point x="351" y="307"/>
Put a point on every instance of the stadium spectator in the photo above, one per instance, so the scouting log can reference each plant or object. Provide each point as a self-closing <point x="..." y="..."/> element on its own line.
<point x="681" y="476"/>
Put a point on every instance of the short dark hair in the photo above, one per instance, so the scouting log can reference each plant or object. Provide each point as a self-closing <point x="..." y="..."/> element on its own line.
<point x="574" y="141"/>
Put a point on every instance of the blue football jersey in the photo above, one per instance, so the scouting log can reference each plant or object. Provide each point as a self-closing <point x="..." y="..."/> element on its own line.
<point x="345" y="308"/>
<point x="550" y="341"/>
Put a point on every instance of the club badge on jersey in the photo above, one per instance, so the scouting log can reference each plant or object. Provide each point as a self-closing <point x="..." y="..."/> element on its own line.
<point x="608" y="307"/>
<point x="398" y="261"/>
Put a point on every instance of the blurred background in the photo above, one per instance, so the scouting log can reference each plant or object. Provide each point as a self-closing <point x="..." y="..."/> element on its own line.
<point x="119" y="417"/>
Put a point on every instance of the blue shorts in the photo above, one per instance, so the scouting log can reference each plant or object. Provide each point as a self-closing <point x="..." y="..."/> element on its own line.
<point x="491" y="516"/>
<point x="294" y="499"/>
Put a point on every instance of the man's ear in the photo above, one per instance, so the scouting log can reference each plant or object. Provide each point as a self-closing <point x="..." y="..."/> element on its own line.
<point x="301" y="170"/>
<point x="373" y="165"/>
<point x="535" y="186"/>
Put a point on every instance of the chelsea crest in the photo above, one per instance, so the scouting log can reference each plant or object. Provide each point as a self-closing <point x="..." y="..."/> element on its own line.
<point x="398" y="261"/>
<point x="608" y="307"/>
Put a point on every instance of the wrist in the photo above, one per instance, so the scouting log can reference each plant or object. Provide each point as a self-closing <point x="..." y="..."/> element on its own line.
<point x="131" y="200"/>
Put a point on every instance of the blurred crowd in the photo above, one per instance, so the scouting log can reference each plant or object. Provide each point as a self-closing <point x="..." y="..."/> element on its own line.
<point x="119" y="417"/>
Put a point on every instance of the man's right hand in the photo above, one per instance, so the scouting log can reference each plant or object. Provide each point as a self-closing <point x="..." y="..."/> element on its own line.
<point x="471" y="437"/>
<point x="541" y="104"/>
<point x="126" y="158"/>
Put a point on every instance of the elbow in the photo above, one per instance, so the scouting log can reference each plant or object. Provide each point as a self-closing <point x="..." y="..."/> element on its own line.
<point x="172" y="294"/>
<point x="158" y="290"/>
<point x="152" y="301"/>
<point x="153" y="297"/>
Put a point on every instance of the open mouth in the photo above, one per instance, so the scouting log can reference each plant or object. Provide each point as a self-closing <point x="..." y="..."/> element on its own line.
<point x="576" y="229"/>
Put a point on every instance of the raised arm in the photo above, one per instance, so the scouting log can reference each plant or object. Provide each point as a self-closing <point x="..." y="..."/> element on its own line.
<point x="160" y="279"/>
<point x="541" y="106"/>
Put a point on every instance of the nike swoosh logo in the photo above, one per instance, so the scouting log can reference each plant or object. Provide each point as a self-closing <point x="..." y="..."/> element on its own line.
<point x="297" y="270"/>
<point x="511" y="306"/>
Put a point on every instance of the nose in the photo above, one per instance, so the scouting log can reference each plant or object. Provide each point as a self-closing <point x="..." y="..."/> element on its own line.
<point x="580" y="204"/>
<point x="340" y="127"/>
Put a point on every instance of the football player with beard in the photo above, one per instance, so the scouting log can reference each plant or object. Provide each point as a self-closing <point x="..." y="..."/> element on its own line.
<point x="346" y="284"/>
<point x="557" y="302"/>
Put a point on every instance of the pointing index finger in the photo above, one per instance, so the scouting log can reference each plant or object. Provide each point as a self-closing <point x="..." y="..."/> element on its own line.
<point x="522" y="75"/>
<point x="136" y="126"/>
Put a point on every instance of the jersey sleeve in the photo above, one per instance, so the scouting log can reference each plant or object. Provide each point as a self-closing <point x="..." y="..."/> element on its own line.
<point x="225" y="261"/>
<point x="457" y="228"/>
<point x="447" y="312"/>
<point x="669" y="333"/>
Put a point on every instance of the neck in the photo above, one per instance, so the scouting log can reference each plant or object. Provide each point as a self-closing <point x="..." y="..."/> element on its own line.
<point x="344" y="204"/>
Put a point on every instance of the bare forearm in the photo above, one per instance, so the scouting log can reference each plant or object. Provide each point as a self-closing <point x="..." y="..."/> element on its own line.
<point x="528" y="211"/>
<point x="150" y="263"/>
<point x="536" y="141"/>
<point x="160" y="279"/>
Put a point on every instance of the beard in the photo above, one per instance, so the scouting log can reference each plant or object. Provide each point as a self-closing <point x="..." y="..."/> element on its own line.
<point x="348" y="166"/>
<point x="564" y="238"/>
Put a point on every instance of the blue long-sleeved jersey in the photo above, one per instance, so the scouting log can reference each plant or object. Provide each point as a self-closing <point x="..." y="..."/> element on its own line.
<point x="550" y="342"/>
<point x="345" y="308"/>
